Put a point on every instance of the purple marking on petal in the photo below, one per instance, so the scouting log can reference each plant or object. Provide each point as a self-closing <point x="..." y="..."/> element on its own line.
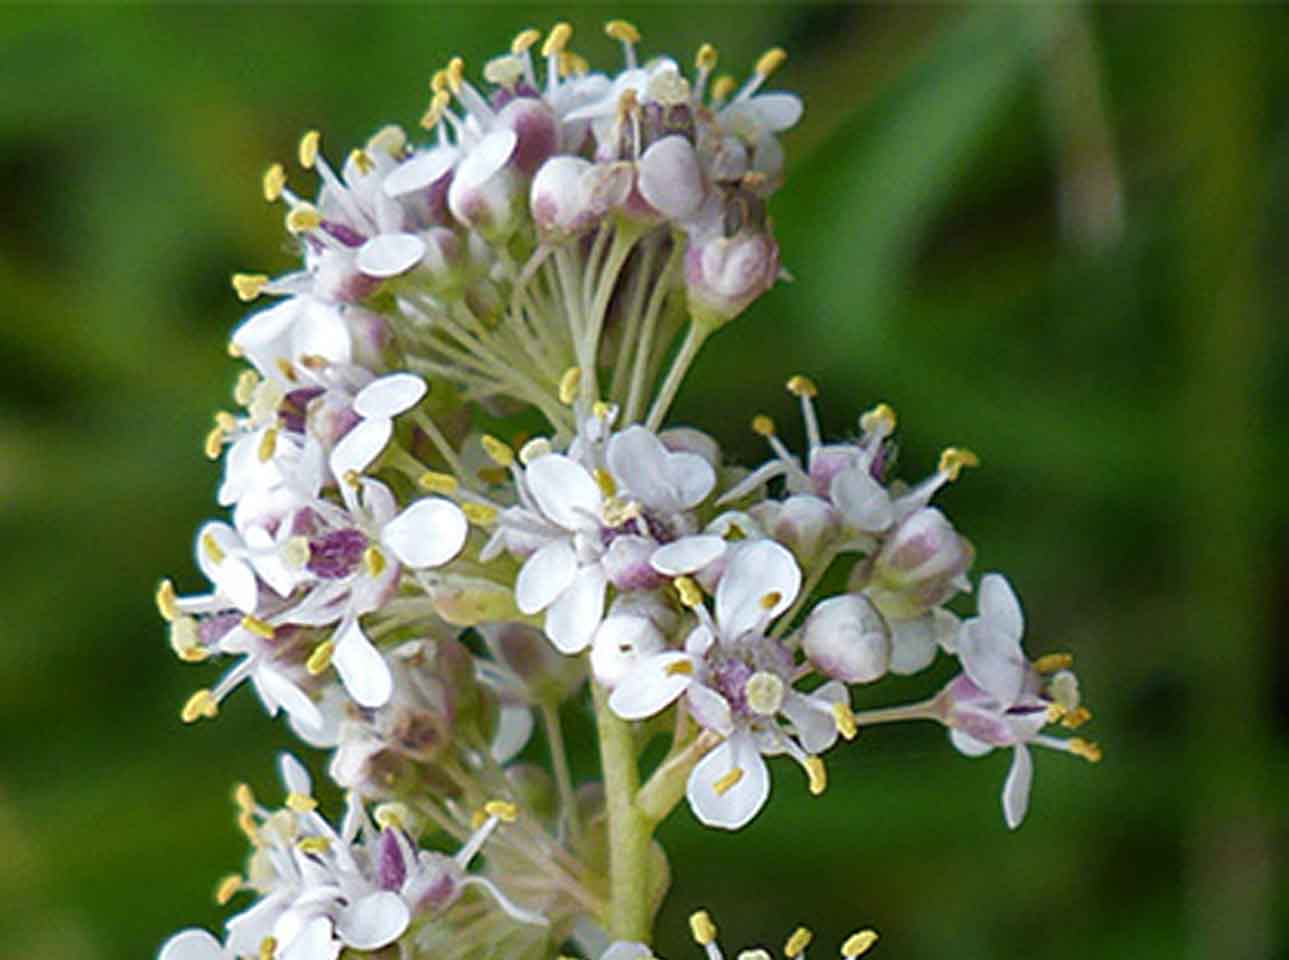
<point x="392" y="868"/>
<point x="346" y="235"/>
<point x="295" y="406"/>
<point x="336" y="555"/>
<point x="213" y="629"/>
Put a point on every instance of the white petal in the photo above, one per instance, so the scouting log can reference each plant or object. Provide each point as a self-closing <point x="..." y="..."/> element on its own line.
<point x="359" y="447"/>
<point x="487" y="157"/>
<point x="514" y="728"/>
<point x="1016" y="789"/>
<point x="997" y="603"/>
<point x="373" y="921"/>
<point x="429" y="533"/>
<point x="544" y="576"/>
<point x="778" y="111"/>
<point x="421" y="171"/>
<point x="378" y="502"/>
<point x="287" y="695"/>
<point x="756" y="571"/>
<point x="389" y="254"/>
<point x="652" y="686"/>
<point x="313" y="942"/>
<point x="564" y="490"/>
<point x="294" y="776"/>
<point x="710" y="709"/>
<point x="572" y="619"/>
<point x="658" y="477"/>
<point x="862" y="500"/>
<point x="670" y="179"/>
<point x="913" y="645"/>
<point x="620" y="643"/>
<point x="968" y="745"/>
<point x="321" y="331"/>
<point x="994" y="662"/>
<point x="815" y="728"/>
<point x="192" y="945"/>
<point x="389" y="396"/>
<point x="362" y="669"/>
<point x="740" y="802"/>
<point x="626" y="950"/>
<point x="687" y="555"/>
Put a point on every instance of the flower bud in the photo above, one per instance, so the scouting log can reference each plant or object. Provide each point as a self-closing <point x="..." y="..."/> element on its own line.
<point x="919" y="565"/>
<point x="487" y="190"/>
<point x="560" y="198"/>
<point x="847" y="639"/>
<point x="723" y="275"/>
<point x="670" y="179"/>
<point x="627" y="564"/>
<point x="803" y="524"/>
<point x="536" y="132"/>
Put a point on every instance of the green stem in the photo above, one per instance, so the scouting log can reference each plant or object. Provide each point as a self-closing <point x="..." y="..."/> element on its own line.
<point x="693" y="342"/>
<point x="629" y="831"/>
<point x="563" y="777"/>
<point x="666" y="786"/>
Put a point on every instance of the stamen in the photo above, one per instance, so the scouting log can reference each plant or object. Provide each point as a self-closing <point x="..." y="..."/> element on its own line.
<point x="244" y="798"/>
<point x="534" y="448"/>
<point x="393" y="814"/>
<point x="314" y="845"/>
<point x="185" y="641"/>
<point x="797" y="943"/>
<point x="1076" y="718"/>
<point x="249" y="285"/>
<point x="725" y="784"/>
<point x="320" y="659"/>
<point x="456" y="74"/>
<point x="691" y="595"/>
<point x="389" y="139"/>
<point x="374" y="562"/>
<point x="701" y="928"/>
<point x="213" y="549"/>
<point x="756" y="953"/>
<point x="246" y="823"/>
<point x="1086" y="749"/>
<point x="706" y="58"/>
<point x="524" y="40"/>
<point x="435" y="482"/>
<point x="622" y="30"/>
<point x="568" y="385"/>
<point x="763" y="426"/>
<point x="607" y="412"/>
<point x="503" y="810"/>
<point x="479" y="514"/>
<point x="573" y="64"/>
<point x="498" y="452"/>
<point x="505" y="71"/>
<point x="722" y="88"/>
<point x="268" y="445"/>
<point x="439" y="82"/>
<point x="438" y="107"/>
<point x="770" y="61"/>
<point x="273" y="183"/>
<point x="1054" y="663"/>
<point x="167" y="601"/>
<point x="301" y="803"/>
<point x="800" y="386"/>
<point x="954" y="459"/>
<point x="244" y="389"/>
<point x="213" y="445"/>
<point x="818" y="775"/>
<point x="308" y="151"/>
<point x="303" y="218"/>
<point x="362" y="161"/>
<point x="557" y="39"/>
<point x="858" y="944"/>
<point x="770" y="600"/>
<point x="257" y="627"/>
<point x="880" y="421"/>
<point x="681" y="668"/>
<point x="604" y="480"/>
<point x="268" y="947"/>
<point x="844" y="718"/>
<point x="200" y="704"/>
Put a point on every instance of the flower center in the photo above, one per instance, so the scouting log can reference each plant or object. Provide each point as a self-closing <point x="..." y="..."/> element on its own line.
<point x="336" y="555"/>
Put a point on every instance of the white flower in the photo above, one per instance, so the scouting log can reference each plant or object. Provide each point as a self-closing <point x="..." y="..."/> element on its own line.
<point x="376" y="406"/>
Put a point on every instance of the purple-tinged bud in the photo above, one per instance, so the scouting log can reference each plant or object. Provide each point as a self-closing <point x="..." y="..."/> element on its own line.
<point x="561" y="199"/>
<point x="847" y="639"/>
<point x="487" y="191"/>
<point x="689" y="440"/>
<point x="828" y="461"/>
<point x="919" y="566"/>
<point x="627" y="564"/>
<point x="548" y="676"/>
<point x="670" y="179"/>
<point x="536" y="130"/>
<point x="723" y="275"/>
<point x="804" y="524"/>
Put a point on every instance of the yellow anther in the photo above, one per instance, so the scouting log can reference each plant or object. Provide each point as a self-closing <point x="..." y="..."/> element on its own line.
<point x="723" y="87"/>
<point x="1054" y="712"/>
<point x="185" y="641"/>
<point x="618" y="513"/>
<point x="706" y="58"/>
<point x="681" y="668"/>
<point x="1086" y="749"/>
<point x="479" y="514"/>
<point x="530" y="451"/>
<point x="478" y="819"/>
<point x="320" y="658"/>
<point x="524" y="39"/>
<point x="756" y="953"/>
<point x="505" y="71"/>
<point x="318" y="845"/>
<point x="1076" y="718"/>
<point x="249" y="285"/>
<point x="362" y="162"/>
<point x="503" y="810"/>
<point x="1053" y="662"/>
<point x="763" y="425"/>
<point x="557" y="39"/>
<point x="212" y="548"/>
<point x="725" y="784"/>
<point x="200" y="704"/>
<point x="770" y="600"/>
<point x="301" y="803"/>
<point x="604" y="480"/>
<point x="770" y="61"/>
<point x="500" y="453"/>
<point x="818" y="775"/>
<point x="274" y="182"/>
<point x="286" y="369"/>
<point x="234" y="350"/>
<point x="243" y="393"/>
<point x="167" y="601"/>
<point x="225" y="420"/>
<point x="691" y="595"/>
<point x="880" y="420"/>
<point x="308" y="152"/>
<point x="268" y="445"/>
<point x="389" y="139"/>
<point x="456" y="74"/>
<point x="227" y="888"/>
<point x="435" y="482"/>
<point x="701" y="928"/>
<point x="622" y="30"/>
<point x="603" y="411"/>
<point x="246" y="823"/>
<point x="844" y="718"/>
<point x="573" y="64"/>
<point x="303" y="218"/>
<point x="568" y="385"/>
<point x="244" y="797"/>
<point x="798" y="942"/>
<point x="800" y="386"/>
<point x="213" y="445"/>
<point x="954" y="459"/>
<point x="258" y="627"/>
<point x="395" y="815"/>
<point x="268" y="947"/>
<point x="374" y="562"/>
<point x="439" y="82"/>
<point x="858" y="944"/>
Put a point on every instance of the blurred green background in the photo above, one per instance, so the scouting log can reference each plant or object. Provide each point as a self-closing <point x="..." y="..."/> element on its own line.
<point x="1054" y="234"/>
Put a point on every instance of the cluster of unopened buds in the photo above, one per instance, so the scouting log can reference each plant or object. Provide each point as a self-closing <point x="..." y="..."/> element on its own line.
<point x="418" y="595"/>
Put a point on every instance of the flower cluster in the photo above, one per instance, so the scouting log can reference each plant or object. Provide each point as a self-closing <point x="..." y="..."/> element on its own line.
<point x="417" y="594"/>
